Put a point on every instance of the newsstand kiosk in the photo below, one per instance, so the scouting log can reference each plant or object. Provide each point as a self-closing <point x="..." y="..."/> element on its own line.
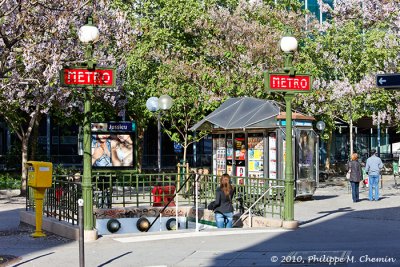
<point x="249" y="141"/>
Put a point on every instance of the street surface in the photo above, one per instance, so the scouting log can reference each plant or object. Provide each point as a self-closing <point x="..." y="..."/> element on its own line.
<point x="333" y="231"/>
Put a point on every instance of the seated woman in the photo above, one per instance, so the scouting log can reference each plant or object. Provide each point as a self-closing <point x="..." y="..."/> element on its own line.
<point x="223" y="207"/>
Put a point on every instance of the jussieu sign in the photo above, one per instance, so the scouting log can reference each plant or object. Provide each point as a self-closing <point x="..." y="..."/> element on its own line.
<point x="78" y="76"/>
<point x="288" y="83"/>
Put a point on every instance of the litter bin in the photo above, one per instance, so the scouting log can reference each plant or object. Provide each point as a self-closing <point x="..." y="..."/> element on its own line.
<point x="162" y="195"/>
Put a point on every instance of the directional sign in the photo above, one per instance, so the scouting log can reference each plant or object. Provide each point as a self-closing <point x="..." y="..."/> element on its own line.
<point x="388" y="80"/>
<point x="301" y="83"/>
<point x="80" y="77"/>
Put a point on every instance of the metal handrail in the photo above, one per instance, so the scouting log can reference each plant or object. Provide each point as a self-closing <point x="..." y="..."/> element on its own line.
<point x="249" y="209"/>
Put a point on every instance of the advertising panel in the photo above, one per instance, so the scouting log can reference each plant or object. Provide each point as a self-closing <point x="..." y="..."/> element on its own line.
<point x="112" y="145"/>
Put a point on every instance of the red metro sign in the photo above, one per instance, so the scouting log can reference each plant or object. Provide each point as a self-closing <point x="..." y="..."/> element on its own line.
<point x="286" y="83"/>
<point x="80" y="77"/>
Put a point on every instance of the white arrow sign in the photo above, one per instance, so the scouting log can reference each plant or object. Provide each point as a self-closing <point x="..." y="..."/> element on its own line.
<point x="382" y="81"/>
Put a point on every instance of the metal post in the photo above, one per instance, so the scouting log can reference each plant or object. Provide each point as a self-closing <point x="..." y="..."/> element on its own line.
<point x="87" y="166"/>
<point x="195" y="150"/>
<point x="81" y="234"/>
<point x="379" y="146"/>
<point x="197" y="202"/>
<point x="159" y="142"/>
<point x="379" y="138"/>
<point x="289" y="179"/>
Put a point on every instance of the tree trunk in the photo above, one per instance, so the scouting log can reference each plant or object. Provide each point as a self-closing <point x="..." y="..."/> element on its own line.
<point x="24" y="138"/>
<point x="34" y="140"/>
<point x="351" y="137"/>
<point x="328" y="151"/>
<point x="25" y="142"/>
<point x="185" y="146"/>
<point x="139" y="146"/>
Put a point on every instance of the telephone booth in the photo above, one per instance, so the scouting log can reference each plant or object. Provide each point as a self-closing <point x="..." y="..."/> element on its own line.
<point x="249" y="141"/>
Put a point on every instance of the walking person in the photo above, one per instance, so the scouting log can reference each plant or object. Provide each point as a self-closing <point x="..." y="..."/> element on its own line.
<point x="373" y="168"/>
<point x="222" y="205"/>
<point x="354" y="167"/>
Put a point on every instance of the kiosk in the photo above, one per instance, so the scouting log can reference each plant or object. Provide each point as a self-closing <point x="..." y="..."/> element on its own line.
<point x="249" y="141"/>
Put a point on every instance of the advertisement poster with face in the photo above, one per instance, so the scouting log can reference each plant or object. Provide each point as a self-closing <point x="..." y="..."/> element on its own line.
<point x="122" y="150"/>
<point x="101" y="150"/>
<point x="112" y="148"/>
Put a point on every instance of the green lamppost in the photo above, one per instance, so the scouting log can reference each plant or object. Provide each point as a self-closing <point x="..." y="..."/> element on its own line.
<point x="288" y="45"/>
<point x="88" y="34"/>
<point x="288" y="82"/>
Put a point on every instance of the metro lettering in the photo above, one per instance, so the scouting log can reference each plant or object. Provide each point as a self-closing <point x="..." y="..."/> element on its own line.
<point x="286" y="82"/>
<point x="87" y="77"/>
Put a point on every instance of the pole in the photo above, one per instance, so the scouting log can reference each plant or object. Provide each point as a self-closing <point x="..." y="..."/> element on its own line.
<point x="39" y="196"/>
<point x="81" y="234"/>
<point x="379" y="138"/>
<point x="196" y="185"/>
<point x="289" y="179"/>
<point x="87" y="166"/>
<point x="159" y="142"/>
<point x="195" y="150"/>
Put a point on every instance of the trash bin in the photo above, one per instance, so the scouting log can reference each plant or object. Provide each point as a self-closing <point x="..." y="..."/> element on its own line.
<point x="162" y="195"/>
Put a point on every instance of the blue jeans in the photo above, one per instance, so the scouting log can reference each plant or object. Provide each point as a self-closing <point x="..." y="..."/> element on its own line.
<point x="373" y="181"/>
<point x="224" y="223"/>
<point x="355" y="191"/>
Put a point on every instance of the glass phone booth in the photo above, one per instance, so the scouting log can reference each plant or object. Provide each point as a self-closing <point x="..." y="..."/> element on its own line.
<point x="306" y="161"/>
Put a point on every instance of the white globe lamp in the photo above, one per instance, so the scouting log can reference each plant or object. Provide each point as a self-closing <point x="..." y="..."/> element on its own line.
<point x="152" y="104"/>
<point x="165" y="102"/>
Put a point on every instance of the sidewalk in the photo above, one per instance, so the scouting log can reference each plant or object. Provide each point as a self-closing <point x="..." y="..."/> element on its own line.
<point x="332" y="228"/>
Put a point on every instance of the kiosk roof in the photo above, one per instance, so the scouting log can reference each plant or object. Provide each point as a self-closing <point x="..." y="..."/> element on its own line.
<point x="239" y="113"/>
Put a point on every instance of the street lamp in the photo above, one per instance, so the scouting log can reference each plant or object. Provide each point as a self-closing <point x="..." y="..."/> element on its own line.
<point x="154" y="104"/>
<point x="288" y="45"/>
<point x="88" y="34"/>
<point x="321" y="125"/>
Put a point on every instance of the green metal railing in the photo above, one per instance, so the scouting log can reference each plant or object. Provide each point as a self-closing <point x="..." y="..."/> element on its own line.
<point x="123" y="189"/>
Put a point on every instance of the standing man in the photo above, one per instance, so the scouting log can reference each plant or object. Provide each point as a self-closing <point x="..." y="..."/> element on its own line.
<point x="373" y="168"/>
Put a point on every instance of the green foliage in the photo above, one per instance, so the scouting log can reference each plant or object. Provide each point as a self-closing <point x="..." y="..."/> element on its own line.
<point x="200" y="53"/>
<point x="60" y="170"/>
<point x="9" y="181"/>
<point x="343" y="58"/>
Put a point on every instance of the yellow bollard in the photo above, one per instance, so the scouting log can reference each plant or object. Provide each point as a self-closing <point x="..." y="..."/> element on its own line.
<point x="39" y="196"/>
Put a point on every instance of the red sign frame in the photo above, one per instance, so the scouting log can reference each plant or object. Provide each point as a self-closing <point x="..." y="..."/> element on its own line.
<point x="283" y="82"/>
<point x="82" y="77"/>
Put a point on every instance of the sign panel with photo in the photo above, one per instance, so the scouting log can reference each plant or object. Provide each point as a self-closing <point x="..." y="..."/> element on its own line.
<point x="112" y="145"/>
